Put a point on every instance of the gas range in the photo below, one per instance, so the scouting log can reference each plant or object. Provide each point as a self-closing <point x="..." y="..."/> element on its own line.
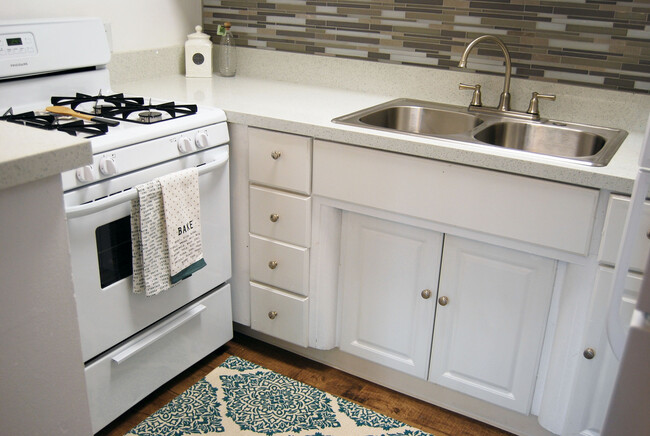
<point x="49" y="76"/>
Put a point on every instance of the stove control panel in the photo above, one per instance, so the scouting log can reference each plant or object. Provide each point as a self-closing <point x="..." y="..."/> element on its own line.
<point x="140" y="155"/>
<point x="17" y="44"/>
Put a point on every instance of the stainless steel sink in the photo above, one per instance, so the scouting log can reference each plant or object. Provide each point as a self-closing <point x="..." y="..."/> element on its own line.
<point x="414" y="117"/>
<point x="421" y="120"/>
<point x="553" y="139"/>
<point x="579" y="143"/>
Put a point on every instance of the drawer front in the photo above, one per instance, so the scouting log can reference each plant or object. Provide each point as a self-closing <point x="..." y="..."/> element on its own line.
<point x="290" y="269"/>
<point x="548" y="214"/>
<point x="155" y="355"/>
<point x="280" y="160"/>
<point x="279" y="314"/>
<point x="279" y="215"/>
<point x="613" y="234"/>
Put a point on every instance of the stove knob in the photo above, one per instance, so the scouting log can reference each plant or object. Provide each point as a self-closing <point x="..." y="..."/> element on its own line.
<point x="184" y="144"/>
<point x="202" y="140"/>
<point x="107" y="166"/>
<point x="85" y="174"/>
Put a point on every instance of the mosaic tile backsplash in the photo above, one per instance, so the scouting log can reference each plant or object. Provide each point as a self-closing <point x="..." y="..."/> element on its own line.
<point x="601" y="43"/>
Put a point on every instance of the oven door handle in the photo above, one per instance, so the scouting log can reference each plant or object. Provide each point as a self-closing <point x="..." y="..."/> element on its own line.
<point x="128" y="195"/>
<point x="158" y="333"/>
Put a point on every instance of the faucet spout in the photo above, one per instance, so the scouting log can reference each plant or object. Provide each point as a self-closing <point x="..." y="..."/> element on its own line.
<point x="504" y="100"/>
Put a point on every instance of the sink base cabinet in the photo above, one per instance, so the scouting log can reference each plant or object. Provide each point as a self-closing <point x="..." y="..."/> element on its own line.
<point x="488" y="336"/>
<point x="389" y="277"/>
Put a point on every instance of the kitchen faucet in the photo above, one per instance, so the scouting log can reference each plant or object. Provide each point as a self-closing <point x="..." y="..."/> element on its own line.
<point x="504" y="100"/>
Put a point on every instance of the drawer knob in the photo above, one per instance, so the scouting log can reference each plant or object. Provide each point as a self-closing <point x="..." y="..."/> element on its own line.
<point x="273" y="264"/>
<point x="276" y="155"/>
<point x="589" y="353"/>
<point x="426" y="294"/>
<point x="274" y="217"/>
<point x="443" y="301"/>
<point x="273" y="314"/>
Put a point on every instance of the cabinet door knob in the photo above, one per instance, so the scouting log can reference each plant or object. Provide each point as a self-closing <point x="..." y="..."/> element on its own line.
<point x="276" y="155"/>
<point x="443" y="301"/>
<point x="589" y="353"/>
<point x="273" y="314"/>
<point x="273" y="264"/>
<point x="426" y="294"/>
<point x="274" y="217"/>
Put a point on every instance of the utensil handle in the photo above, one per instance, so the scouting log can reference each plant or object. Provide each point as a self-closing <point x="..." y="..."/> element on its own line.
<point x="108" y="121"/>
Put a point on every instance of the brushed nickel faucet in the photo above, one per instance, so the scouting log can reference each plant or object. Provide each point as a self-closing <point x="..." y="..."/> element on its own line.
<point x="504" y="100"/>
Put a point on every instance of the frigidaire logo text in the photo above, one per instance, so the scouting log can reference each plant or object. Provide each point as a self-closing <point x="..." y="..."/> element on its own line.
<point x="22" y="64"/>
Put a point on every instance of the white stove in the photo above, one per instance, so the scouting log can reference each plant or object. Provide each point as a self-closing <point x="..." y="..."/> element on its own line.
<point x="131" y="344"/>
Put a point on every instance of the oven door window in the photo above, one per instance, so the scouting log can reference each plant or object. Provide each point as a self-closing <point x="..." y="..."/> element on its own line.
<point x="114" y="251"/>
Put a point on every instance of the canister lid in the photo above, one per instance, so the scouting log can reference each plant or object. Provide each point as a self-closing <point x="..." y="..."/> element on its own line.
<point x="198" y="34"/>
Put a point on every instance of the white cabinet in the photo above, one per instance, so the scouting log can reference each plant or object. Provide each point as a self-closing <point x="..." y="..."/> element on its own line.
<point x="389" y="277"/>
<point x="491" y="321"/>
<point x="279" y="170"/>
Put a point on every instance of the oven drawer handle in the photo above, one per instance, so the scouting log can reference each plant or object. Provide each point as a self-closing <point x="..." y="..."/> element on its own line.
<point x="159" y="333"/>
<point x="122" y="197"/>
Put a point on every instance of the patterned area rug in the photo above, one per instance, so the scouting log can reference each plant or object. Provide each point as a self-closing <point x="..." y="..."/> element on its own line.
<point x="242" y="398"/>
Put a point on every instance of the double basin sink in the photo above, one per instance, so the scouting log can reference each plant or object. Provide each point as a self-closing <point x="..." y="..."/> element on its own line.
<point x="579" y="143"/>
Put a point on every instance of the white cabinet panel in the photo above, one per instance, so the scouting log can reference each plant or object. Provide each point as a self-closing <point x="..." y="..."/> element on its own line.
<point x="488" y="337"/>
<point x="280" y="265"/>
<point x="595" y="377"/>
<point x="613" y="234"/>
<point x="549" y="214"/>
<point x="280" y="215"/>
<point x="279" y="314"/>
<point x="385" y="268"/>
<point x="280" y="160"/>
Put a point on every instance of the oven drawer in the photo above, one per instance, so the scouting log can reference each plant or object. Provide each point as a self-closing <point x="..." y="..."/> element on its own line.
<point x="279" y="314"/>
<point x="280" y="160"/>
<point x="125" y="375"/>
<point x="280" y="215"/>
<point x="281" y="265"/>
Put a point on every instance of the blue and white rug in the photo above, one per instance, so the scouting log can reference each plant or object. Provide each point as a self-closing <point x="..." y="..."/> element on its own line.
<point x="242" y="398"/>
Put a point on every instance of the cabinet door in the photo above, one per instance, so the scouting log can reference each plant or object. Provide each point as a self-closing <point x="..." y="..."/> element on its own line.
<point x="595" y="377"/>
<point x="488" y="333"/>
<point x="387" y="316"/>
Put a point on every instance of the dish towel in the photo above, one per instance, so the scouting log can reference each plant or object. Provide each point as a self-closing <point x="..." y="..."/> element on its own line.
<point x="149" y="241"/>
<point x="180" y="194"/>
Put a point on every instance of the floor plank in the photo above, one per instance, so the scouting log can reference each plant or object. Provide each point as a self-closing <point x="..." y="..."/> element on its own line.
<point x="409" y="410"/>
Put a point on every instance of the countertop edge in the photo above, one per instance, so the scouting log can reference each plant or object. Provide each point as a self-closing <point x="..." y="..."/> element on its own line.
<point x="42" y="154"/>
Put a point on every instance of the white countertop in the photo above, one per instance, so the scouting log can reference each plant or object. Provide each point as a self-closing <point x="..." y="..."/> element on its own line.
<point x="308" y="110"/>
<point x="28" y="153"/>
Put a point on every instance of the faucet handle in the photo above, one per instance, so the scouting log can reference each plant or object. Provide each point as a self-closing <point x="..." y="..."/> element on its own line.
<point x="476" y="96"/>
<point x="533" y="107"/>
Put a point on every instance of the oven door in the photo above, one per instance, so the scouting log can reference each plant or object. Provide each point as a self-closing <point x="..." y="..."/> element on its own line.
<point x="100" y="244"/>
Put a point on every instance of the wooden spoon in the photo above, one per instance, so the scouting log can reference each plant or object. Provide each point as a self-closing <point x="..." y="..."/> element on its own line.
<point x="67" y="111"/>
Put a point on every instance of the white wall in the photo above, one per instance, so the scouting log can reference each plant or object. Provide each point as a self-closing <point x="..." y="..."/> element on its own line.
<point x="135" y="24"/>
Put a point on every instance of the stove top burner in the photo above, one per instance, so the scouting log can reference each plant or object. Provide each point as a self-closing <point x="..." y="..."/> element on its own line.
<point x="53" y="122"/>
<point x="123" y="108"/>
<point x="149" y="116"/>
<point x="103" y="101"/>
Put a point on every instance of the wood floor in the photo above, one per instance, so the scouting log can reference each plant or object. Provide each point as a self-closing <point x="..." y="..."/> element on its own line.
<point x="414" y="412"/>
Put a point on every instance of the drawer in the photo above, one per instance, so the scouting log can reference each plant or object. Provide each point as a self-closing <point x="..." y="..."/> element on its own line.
<point x="279" y="314"/>
<point x="613" y="234"/>
<point x="290" y="269"/>
<point x="280" y="215"/>
<point x="155" y="355"/>
<point x="544" y="213"/>
<point x="280" y="160"/>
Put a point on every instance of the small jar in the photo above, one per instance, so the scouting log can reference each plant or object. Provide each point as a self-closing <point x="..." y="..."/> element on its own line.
<point x="198" y="54"/>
